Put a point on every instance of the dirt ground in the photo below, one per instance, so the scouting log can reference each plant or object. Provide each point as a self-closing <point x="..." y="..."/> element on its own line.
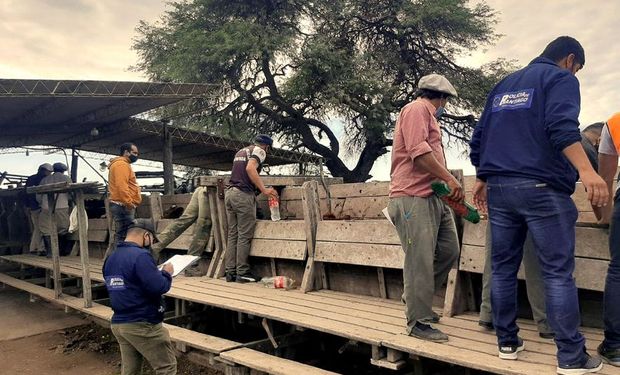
<point x="40" y="338"/>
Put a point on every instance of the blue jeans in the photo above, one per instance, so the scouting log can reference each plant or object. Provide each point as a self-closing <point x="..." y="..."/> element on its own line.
<point x="517" y="205"/>
<point x="123" y="218"/>
<point x="612" y="283"/>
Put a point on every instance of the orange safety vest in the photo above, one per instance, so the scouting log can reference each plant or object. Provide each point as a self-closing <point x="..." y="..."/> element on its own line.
<point x="614" y="129"/>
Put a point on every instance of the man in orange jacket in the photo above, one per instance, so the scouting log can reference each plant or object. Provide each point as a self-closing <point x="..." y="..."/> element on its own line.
<point x="124" y="192"/>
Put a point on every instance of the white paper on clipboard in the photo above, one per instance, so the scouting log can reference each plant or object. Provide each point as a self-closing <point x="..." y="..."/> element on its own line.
<point x="179" y="262"/>
<point x="387" y="215"/>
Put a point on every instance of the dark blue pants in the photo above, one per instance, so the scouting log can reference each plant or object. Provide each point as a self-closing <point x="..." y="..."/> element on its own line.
<point x="517" y="205"/>
<point x="612" y="283"/>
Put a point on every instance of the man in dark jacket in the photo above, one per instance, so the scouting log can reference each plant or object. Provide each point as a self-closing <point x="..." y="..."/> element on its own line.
<point x="34" y="208"/>
<point x="528" y="154"/>
<point x="136" y="289"/>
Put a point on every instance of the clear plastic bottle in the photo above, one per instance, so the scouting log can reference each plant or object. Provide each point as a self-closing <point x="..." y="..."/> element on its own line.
<point x="274" y="207"/>
<point x="278" y="282"/>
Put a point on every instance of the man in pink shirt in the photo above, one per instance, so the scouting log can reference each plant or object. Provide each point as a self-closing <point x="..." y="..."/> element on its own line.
<point x="424" y="222"/>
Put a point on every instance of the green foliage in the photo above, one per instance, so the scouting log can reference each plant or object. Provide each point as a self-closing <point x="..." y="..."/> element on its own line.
<point x="297" y="68"/>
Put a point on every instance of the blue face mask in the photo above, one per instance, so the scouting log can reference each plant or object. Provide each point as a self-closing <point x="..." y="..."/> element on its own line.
<point x="439" y="112"/>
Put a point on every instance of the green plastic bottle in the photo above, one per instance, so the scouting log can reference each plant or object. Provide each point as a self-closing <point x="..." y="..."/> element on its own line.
<point x="463" y="209"/>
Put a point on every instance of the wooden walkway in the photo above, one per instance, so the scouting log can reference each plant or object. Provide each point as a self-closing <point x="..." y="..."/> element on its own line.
<point x="374" y="321"/>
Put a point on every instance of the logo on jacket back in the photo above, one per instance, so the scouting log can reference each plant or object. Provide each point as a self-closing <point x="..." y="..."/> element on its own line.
<point x="521" y="99"/>
<point x="115" y="282"/>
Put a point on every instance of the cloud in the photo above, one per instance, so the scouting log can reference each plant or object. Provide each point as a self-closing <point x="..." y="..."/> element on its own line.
<point x="72" y="39"/>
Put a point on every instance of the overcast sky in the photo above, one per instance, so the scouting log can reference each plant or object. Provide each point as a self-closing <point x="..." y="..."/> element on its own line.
<point x="91" y="39"/>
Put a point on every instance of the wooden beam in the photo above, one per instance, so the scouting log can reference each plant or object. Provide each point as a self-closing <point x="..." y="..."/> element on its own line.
<point x="84" y="256"/>
<point x="51" y="204"/>
<point x="312" y="214"/>
<point x="222" y="226"/>
<point x="218" y="253"/>
<point x="167" y="161"/>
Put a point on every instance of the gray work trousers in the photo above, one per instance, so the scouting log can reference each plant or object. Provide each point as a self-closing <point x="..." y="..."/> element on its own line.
<point x="241" y="215"/>
<point x="533" y="282"/>
<point x="36" y="241"/>
<point x="198" y="211"/>
<point x="428" y="236"/>
<point x="142" y="340"/>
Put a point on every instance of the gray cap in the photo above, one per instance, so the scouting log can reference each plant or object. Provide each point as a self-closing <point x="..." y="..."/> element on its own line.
<point x="47" y="167"/>
<point x="146" y="224"/>
<point x="437" y="82"/>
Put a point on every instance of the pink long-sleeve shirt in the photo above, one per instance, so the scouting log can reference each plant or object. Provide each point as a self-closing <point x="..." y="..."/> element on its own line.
<point x="417" y="133"/>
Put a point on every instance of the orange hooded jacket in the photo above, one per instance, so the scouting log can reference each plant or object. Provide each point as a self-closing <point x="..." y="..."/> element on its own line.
<point x="122" y="183"/>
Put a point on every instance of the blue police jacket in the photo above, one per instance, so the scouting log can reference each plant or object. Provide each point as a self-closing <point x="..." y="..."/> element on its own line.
<point x="529" y="118"/>
<point x="135" y="285"/>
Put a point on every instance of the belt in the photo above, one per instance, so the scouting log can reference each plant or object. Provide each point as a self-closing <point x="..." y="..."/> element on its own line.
<point x="118" y="203"/>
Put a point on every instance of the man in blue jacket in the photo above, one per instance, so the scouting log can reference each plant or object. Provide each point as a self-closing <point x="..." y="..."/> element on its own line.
<point x="136" y="289"/>
<point x="528" y="154"/>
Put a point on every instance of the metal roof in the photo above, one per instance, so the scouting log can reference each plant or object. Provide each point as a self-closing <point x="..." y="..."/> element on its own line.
<point x="65" y="114"/>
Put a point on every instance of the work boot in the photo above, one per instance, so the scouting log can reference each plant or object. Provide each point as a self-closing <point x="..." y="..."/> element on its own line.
<point x="428" y="332"/>
<point x="486" y="325"/>
<point x="194" y="271"/>
<point x="231" y="277"/>
<point x="589" y="365"/>
<point x="247" y="277"/>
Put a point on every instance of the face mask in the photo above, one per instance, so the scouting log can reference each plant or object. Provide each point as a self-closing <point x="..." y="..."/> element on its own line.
<point x="133" y="158"/>
<point x="148" y="247"/>
<point x="439" y="112"/>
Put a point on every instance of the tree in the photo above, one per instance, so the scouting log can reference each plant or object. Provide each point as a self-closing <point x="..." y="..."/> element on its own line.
<point x="321" y="74"/>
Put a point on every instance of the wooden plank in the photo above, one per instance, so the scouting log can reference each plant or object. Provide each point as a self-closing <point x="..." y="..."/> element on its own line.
<point x="162" y="224"/>
<point x="176" y="199"/>
<point x="270" y="364"/>
<point x="82" y="219"/>
<point x="360" y="207"/>
<point x="281" y="249"/>
<point x="61" y="187"/>
<point x="191" y="338"/>
<point x="97" y="224"/>
<point x="280" y="230"/>
<point x="312" y="215"/>
<point x="381" y="279"/>
<point x="271" y="180"/>
<point x="358" y="231"/>
<point x="361" y="189"/>
<point x="589" y="273"/>
<point x="590" y="242"/>
<point x="362" y="254"/>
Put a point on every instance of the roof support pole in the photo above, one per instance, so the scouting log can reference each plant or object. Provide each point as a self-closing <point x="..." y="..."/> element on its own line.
<point x="168" y="170"/>
<point x="74" y="165"/>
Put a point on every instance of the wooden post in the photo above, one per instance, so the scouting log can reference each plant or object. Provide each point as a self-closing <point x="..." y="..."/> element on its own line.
<point x="109" y="220"/>
<point x="168" y="168"/>
<point x="218" y="253"/>
<point x="223" y="227"/>
<point x="312" y="214"/>
<point x="84" y="256"/>
<point x="74" y="165"/>
<point x="381" y="279"/>
<point x="51" y="204"/>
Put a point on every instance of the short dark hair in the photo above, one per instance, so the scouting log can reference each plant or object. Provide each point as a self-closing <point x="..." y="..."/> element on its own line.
<point x="596" y="127"/>
<point x="431" y="94"/>
<point x="126" y="147"/>
<point x="562" y="47"/>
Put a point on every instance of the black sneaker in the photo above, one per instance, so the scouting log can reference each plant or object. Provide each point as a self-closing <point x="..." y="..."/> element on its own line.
<point x="510" y="351"/>
<point x="486" y="325"/>
<point x="611" y="356"/>
<point x="427" y="332"/>
<point x="247" y="278"/>
<point x="546" y="335"/>
<point x="231" y="277"/>
<point x="434" y="319"/>
<point x="589" y="365"/>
